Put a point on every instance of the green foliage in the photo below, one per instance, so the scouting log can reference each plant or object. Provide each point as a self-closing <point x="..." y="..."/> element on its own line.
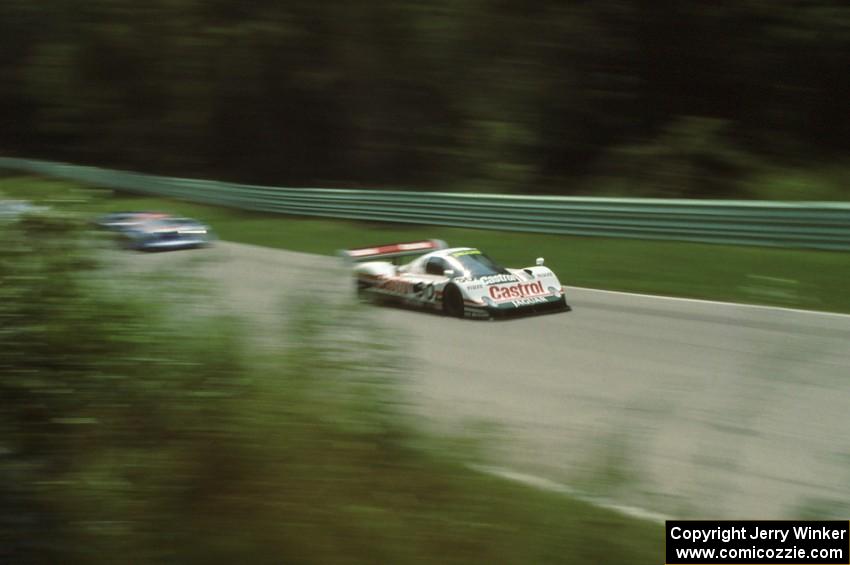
<point x="98" y="383"/>
<point x="692" y="158"/>
<point x="823" y="183"/>
<point x="480" y="94"/>
<point x="134" y="424"/>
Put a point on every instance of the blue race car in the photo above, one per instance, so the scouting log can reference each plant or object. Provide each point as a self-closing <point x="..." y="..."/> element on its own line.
<point x="121" y="221"/>
<point x="168" y="233"/>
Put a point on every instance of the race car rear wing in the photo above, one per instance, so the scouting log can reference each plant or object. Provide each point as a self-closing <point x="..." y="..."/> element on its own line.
<point x="392" y="250"/>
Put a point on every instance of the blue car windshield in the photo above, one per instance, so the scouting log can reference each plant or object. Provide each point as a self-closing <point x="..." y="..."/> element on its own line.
<point x="477" y="264"/>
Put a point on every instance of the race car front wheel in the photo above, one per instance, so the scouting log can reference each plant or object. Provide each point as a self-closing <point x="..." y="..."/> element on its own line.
<point x="453" y="302"/>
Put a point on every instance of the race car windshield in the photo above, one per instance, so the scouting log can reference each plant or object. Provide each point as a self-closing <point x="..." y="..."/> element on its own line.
<point x="477" y="264"/>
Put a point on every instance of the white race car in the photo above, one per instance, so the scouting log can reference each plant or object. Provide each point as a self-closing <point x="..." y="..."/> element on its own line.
<point x="459" y="281"/>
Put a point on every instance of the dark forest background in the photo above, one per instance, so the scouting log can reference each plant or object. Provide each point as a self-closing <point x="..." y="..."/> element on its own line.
<point x="694" y="99"/>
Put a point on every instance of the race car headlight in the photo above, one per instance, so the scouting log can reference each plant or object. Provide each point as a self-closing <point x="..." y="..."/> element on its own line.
<point x="488" y="301"/>
<point x="553" y="290"/>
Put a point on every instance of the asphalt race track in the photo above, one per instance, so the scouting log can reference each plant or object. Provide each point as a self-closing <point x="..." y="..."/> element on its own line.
<point x="688" y="408"/>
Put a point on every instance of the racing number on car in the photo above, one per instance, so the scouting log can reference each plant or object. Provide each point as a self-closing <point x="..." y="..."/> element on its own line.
<point x="429" y="292"/>
<point x="398" y="286"/>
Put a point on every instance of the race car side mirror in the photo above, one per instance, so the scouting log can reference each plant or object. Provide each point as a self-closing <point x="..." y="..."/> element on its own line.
<point x="539" y="262"/>
<point x="449" y="273"/>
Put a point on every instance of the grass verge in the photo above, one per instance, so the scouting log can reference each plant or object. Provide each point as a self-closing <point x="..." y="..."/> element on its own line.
<point x="806" y="279"/>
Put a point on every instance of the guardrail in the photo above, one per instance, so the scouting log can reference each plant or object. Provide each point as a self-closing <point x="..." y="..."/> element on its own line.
<point x="816" y="225"/>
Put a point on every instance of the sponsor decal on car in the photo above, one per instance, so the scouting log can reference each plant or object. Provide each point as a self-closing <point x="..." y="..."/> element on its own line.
<point x="466" y="252"/>
<point x="498" y="279"/>
<point x="512" y="292"/>
<point x="528" y="301"/>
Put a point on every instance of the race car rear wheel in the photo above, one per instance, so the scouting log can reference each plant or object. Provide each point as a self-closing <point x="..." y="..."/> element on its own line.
<point x="453" y="302"/>
<point x="360" y="290"/>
